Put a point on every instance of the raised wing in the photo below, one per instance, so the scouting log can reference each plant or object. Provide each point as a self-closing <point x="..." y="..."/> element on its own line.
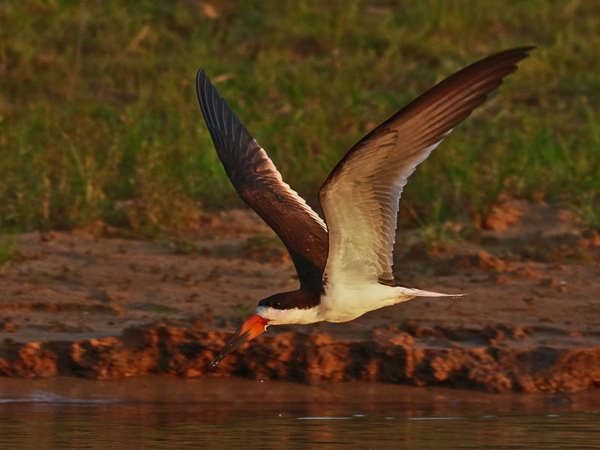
<point x="360" y="197"/>
<point x="259" y="184"/>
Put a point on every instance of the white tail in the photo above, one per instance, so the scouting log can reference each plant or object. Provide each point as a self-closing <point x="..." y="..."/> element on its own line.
<point x="419" y="293"/>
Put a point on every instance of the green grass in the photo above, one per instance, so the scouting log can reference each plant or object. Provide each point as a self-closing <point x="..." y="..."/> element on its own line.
<point x="98" y="105"/>
<point x="8" y="249"/>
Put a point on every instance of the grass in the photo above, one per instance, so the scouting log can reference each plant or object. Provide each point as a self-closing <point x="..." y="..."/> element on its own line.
<point x="8" y="249"/>
<point x="98" y="107"/>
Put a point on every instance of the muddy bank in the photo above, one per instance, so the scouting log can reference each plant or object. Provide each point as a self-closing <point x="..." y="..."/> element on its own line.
<point x="95" y="305"/>
<point x="506" y="359"/>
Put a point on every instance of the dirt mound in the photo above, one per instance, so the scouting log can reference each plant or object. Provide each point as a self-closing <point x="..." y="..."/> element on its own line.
<point x="76" y="304"/>
<point x="503" y="359"/>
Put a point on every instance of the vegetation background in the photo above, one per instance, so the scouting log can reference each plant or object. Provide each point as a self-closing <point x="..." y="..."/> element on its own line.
<point x="99" y="120"/>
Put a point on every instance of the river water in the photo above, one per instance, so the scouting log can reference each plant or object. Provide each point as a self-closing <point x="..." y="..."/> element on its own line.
<point x="168" y="413"/>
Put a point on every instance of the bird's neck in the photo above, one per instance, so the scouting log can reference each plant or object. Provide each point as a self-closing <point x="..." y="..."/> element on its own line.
<point x="290" y="315"/>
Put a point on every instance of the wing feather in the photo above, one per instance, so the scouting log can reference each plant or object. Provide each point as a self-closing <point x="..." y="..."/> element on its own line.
<point x="259" y="184"/>
<point x="360" y="197"/>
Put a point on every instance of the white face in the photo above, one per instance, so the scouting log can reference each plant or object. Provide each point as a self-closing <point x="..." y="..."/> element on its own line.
<point x="288" y="316"/>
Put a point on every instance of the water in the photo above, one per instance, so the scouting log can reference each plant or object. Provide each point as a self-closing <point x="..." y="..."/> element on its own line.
<point x="166" y="413"/>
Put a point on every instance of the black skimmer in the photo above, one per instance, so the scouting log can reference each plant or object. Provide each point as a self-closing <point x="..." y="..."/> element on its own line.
<point x="344" y="263"/>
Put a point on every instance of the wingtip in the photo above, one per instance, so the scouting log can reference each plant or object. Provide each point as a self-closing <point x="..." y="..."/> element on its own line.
<point x="200" y="76"/>
<point x="526" y="50"/>
<point x="511" y="56"/>
<point x="519" y="53"/>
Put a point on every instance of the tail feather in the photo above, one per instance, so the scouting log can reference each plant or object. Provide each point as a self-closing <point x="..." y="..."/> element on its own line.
<point x="419" y="293"/>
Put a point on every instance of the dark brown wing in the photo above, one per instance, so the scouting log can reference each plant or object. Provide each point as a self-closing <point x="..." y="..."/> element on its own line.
<point x="360" y="197"/>
<point x="259" y="184"/>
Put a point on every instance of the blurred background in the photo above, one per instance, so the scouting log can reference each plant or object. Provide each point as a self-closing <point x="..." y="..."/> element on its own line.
<point x="99" y="122"/>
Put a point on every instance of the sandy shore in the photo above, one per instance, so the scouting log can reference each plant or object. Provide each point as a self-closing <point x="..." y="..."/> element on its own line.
<point x="107" y="307"/>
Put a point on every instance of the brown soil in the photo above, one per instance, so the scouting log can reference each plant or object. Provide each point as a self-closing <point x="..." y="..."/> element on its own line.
<point x="75" y="304"/>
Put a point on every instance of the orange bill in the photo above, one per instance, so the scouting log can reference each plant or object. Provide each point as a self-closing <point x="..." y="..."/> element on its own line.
<point x="254" y="326"/>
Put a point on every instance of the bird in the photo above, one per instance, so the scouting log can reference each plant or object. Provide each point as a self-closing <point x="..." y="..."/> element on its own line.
<point x="344" y="261"/>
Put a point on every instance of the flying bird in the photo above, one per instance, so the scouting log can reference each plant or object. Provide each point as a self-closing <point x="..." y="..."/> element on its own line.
<point x="344" y="263"/>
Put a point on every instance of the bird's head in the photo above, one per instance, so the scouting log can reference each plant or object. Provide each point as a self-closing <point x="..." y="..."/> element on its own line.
<point x="251" y="328"/>
<point x="295" y="307"/>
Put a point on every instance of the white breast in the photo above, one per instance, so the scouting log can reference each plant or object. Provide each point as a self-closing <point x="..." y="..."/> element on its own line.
<point x="342" y="303"/>
<point x="287" y="316"/>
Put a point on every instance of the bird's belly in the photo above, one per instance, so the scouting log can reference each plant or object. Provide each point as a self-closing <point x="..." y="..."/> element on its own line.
<point x="343" y="304"/>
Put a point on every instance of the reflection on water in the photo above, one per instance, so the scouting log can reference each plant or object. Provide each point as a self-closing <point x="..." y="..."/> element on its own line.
<point x="237" y="414"/>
